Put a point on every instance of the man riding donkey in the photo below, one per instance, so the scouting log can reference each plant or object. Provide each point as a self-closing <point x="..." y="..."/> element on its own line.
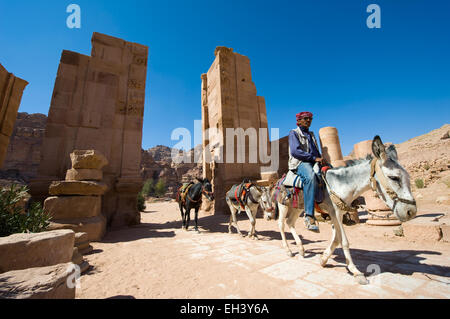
<point x="304" y="154"/>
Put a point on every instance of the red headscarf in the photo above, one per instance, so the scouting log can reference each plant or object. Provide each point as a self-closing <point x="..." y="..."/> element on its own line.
<point x="304" y="114"/>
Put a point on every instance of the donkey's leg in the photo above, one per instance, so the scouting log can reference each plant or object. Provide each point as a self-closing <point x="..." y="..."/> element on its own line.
<point x="335" y="240"/>
<point x="196" y="218"/>
<point x="182" y="215"/>
<point x="254" y="212"/>
<point x="283" y="211"/>
<point x="188" y="216"/>
<point x="291" y="219"/>
<point x="233" y="219"/>
<point x="251" y="233"/>
<point x="346" y="248"/>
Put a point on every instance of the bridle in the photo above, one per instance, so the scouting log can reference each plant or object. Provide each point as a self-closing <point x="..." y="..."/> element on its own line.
<point x="375" y="168"/>
<point x="263" y="206"/>
<point x="208" y="195"/>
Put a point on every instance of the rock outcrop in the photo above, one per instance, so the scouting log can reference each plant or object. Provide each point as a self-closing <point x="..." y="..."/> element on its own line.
<point x="24" y="149"/>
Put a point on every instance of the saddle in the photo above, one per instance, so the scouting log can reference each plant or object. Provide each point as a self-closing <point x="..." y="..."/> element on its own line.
<point x="240" y="193"/>
<point x="294" y="185"/>
<point x="182" y="192"/>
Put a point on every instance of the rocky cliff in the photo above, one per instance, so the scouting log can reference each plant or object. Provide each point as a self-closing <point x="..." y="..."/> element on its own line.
<point x="23" y="155"/>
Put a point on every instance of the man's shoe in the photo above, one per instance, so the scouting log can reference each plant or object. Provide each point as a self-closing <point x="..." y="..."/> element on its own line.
<point x="311" y="224"/>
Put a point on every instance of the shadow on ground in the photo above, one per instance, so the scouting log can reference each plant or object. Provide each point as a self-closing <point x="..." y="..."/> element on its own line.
<point x="405" y="262"/>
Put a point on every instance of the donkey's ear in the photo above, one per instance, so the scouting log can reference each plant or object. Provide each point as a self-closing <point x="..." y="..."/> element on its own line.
<point x="378" y="148"/>
<point x="391" y="152"/>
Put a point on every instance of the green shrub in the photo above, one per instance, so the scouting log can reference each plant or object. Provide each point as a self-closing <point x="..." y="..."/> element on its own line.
<point x="141" y="202"/>
<point x="12" y="217"/>
<point x="148" y="188"/>
<point x="419" y="183"/>
<point x="160" y="188"/>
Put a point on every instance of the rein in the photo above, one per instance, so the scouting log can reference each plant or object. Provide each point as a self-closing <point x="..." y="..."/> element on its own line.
<point x="338" y="201"/>
<point x="376" y="169"/>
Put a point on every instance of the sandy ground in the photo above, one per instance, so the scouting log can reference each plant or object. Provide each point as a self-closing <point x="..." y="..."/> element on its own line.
<point x="159" y="260"/>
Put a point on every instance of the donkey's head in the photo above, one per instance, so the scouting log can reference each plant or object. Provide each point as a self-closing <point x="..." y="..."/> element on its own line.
<point x="265" y="202"/>
<point x="206" y="188"/>
<point x="391" y="181"/>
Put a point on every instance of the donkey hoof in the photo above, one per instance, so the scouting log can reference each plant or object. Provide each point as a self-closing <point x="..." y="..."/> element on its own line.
<point x="323" y="261"/>
<point x="290" y="254"/>
<point x="361" y="279"/>
<point x="301" y="254"/>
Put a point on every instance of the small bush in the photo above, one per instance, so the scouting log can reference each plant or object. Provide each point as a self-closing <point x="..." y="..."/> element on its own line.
<point x="419" y="183"/>
<point x="148" y="188"/>
<point x="141" y="202"/>
<point x="160" y="188"/>
<point x="12" y="217"/>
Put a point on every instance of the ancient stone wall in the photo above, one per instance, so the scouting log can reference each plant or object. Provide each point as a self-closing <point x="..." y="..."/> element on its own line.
<point x="229" y="100"/>
<point x="98" y="103"/>
<point x="11" y="91"/>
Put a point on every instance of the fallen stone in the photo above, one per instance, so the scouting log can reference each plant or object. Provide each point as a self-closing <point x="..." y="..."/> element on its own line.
<point x="38" y="283"/>
<point x="84" y="266"/>
<point x="79" y="174"/>
<point x="443" y="200"/>
<point x="85" y="250"/>
<point x="84" y="188"/>
<point x="77" y="258"/>
<point x="21" y="251"/>
<point x="88" y="159"/>
<point x="445" y="229"/>
<point x="80" y="238"/>
<point x="66" y="207"/>
<point x="95" y="227"/>
<point x="422" y="230"/>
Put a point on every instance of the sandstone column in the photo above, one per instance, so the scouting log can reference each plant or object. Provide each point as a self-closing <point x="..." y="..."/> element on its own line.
<point x="379" y="213"/>
<point x="331" y="147"/>
<point x="229" y="100"/>
<point x="98" y="103"/>
<point x="11" y="90"/>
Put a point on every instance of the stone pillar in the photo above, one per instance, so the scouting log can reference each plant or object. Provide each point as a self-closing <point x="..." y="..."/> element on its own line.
<point x="229" y="100"/>
<point x="331" y="147"/>
<point x="379" y="213"/>
<point x="362" y="149"/>
<point x="98" y="103"/>
<point x="76" y="202"/>
<point x="11" y="91"/>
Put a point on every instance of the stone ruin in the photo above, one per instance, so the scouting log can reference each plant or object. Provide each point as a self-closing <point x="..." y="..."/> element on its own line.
<point x="98" y="103"/>
<point x="76" y="202"/>
<point x="378" y="213"/>
<point x="11" y="91"/>
<point x="229" y="100"/>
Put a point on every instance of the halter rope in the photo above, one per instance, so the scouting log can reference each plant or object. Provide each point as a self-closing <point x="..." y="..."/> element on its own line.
<point x="376" y="169"/>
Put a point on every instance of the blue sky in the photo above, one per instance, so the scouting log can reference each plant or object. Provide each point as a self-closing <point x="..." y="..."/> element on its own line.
<point x="305" y="55"/>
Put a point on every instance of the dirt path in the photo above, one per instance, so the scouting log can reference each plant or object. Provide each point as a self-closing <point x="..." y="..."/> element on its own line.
<point x="159" y="260"/>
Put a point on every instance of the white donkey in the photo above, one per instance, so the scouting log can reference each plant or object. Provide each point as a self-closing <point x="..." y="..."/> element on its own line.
<point x="253" y="197"/>
<point x="383" y="174"/>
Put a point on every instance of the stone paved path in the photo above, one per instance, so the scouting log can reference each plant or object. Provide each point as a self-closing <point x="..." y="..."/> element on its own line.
<point x="159" y="260"/>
